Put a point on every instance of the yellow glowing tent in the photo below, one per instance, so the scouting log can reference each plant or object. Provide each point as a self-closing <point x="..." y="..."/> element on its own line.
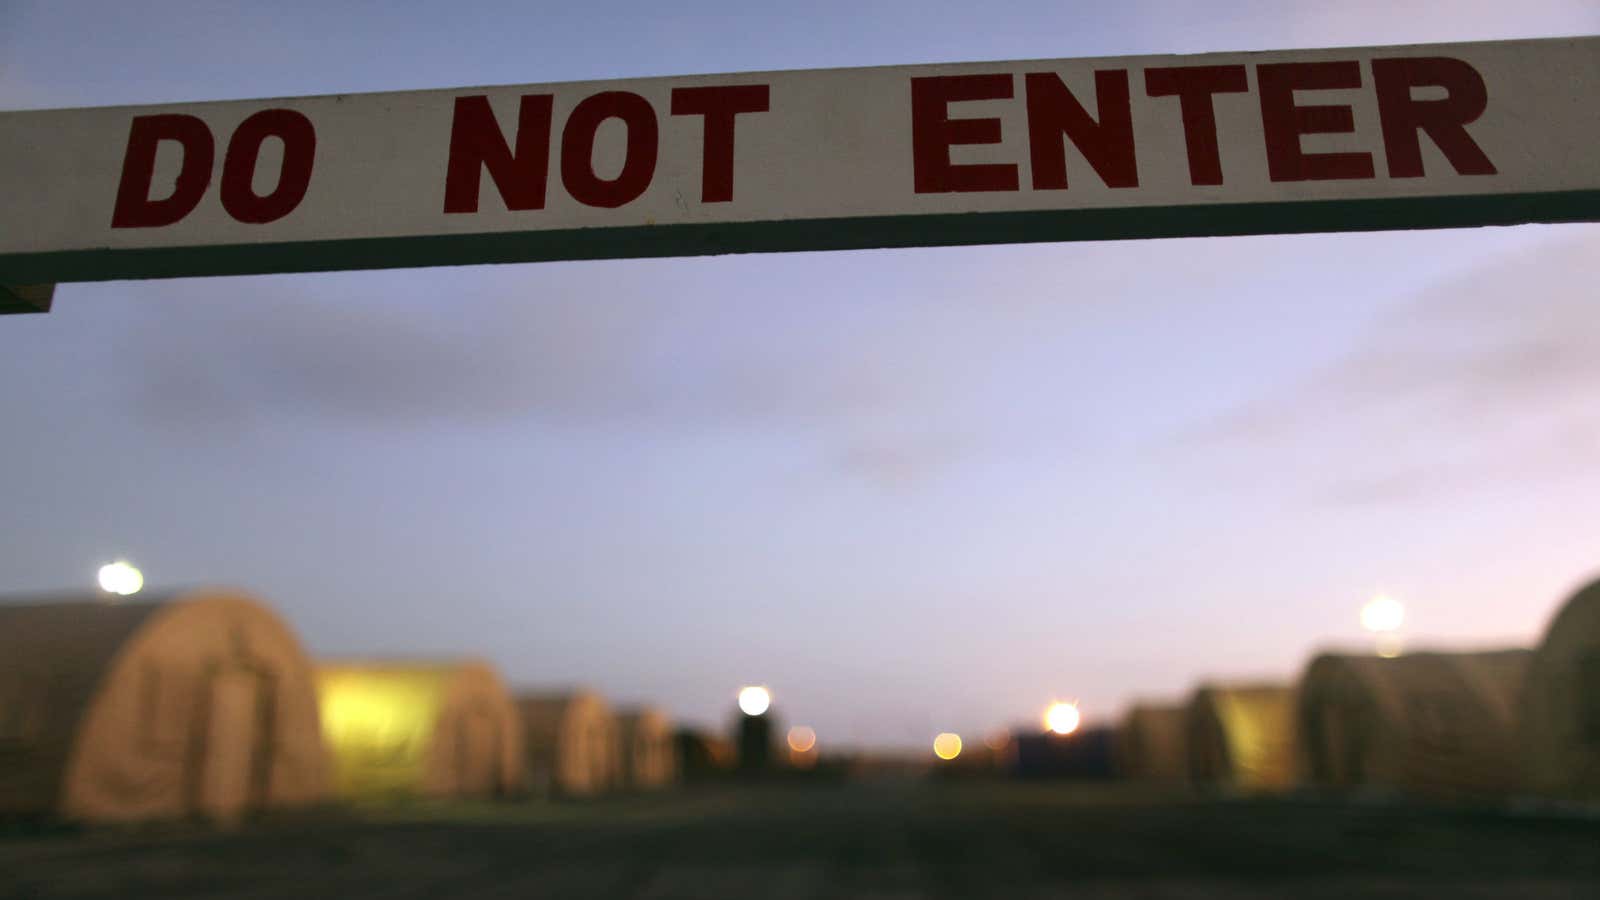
<point x="440" y="729"/>
<point x="1150" y="743"/>
<point x="1241" y="737"/>
<point x="1561" y="704"/>
<point x="649" y="753"/>
<point x="571" y="743"/>
<point x="1432" y="724"/>
<point x="200" y="704"/>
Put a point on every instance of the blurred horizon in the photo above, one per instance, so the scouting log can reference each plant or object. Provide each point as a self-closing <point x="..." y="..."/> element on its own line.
<point x="912" y="491"/>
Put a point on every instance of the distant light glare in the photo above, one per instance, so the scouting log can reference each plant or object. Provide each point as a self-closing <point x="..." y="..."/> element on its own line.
<point x="1062" y="718"/>
<point x="1389" y="644"/>
<point x="753" y="701"/>
<point x="997" y="740"/>
<point x="1382" y="613"/>
<point x="121" y="579"/>
<point x="947" y="746"/>
<point x="802" y="739"/>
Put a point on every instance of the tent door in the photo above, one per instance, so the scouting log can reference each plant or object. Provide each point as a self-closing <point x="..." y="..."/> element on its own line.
<point x="228" y="763"/>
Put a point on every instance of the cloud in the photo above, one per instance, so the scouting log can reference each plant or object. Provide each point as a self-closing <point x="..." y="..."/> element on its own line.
<point x="1483" y="376"/>
<point x="217" y="352"/>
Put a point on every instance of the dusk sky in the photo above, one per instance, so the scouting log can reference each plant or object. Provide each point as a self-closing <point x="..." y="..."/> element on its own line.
<point x="912" y="490"/>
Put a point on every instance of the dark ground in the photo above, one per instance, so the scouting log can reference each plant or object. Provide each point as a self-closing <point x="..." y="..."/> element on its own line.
<point x="901" y="840"/>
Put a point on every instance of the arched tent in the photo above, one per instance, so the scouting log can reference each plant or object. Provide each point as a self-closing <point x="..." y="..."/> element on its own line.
<point x="1432" y="724"/>
<point x="571" y="743"/>
<point x="198" y="704"/>
<point x="1241" y="737"/>
<point x="1150" y="743"/>
<point x="426" y="729"/>
<point x="1561" y="704"/>
<point x="649" y="753"/>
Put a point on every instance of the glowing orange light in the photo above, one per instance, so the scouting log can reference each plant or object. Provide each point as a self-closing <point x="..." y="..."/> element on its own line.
<point x="1062" y="718"/>
<point x="802" y="739"/>
<point x="997" y="740"/>
<point x="947" y="746"/>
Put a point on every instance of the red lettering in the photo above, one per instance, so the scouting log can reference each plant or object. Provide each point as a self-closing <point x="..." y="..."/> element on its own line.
<point x="1283" y="121"/>
<point x="1195" y="86"/>
<point x="294" y="176"/>
<point x="134" y="208"/>
<point x="933" y="133"/>
<point x="1106" y="144"/>
<point x="476" y="144"/>
<point x="577" y="149"/>
<point x="719" y="105"/>
<point x="1444" y="120"/>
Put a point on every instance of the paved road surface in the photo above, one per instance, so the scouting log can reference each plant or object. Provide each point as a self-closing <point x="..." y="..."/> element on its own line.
<point x="907" y="840"/>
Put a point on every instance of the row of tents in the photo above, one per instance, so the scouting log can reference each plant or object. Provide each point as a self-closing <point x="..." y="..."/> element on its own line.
<point x="1441" y="725"/>
<point x="205" y="704"/>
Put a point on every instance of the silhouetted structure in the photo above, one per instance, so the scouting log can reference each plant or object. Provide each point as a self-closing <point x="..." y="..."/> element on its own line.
<point x="419" y="729"/>
<point x="1561" y="704"/>
<point x="756" y="741"/>
<point x="1150" y="743"/>
<point x="1430" y="724"/>
<point x="1241" y="737"/>
<point x="114" y="712"/>
<point x="1085" y="754"/>
<point x="702" y="756"/>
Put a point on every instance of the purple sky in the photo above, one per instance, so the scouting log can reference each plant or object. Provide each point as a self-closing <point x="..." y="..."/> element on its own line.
<point x="911" y="490"/>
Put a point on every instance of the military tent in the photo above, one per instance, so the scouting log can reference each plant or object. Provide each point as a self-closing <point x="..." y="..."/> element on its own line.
<point x="1561" y="704"/>
<point x="571" y="743"/>
<point x="1150" y="743"/>
<point x="200" y="703"/>
<point x="1241" y="737"/>
<point x="419" y="729"/>
<point x="649" y="755"/>
<point x="1429" y="724"/>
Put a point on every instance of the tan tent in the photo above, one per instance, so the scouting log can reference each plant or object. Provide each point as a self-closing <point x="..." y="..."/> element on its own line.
<point x="649" y="753"/>
<point x="1150" y="743"/>
<point x="201" y="704"/>
<point x="425" y="729"/>
<point x="1241" y="737"/>
<point x="1432" y="724"/>
<point x="571" y="743"/>
<point x="1561" y="704"/>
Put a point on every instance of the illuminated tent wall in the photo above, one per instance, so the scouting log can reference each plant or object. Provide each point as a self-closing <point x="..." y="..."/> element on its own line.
<point x="1561" y="704"/>
<point x="202" y="704"/>
<point x="439" y="729"/>
<point x="571" y="742"/>
<point x="1151" y="744"/>
<point x="649" y="755"/>
<point x="1241" y="737"/>
<point x="1432" y="724"/>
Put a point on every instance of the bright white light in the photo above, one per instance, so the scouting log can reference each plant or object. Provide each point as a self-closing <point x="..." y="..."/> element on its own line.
<point x="1062" y="718"/>
<point x="1389" y="644"/>
<point x="753" y="701"/>
<point x="121" y="579"/>
<point x="1382" y="613"/>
